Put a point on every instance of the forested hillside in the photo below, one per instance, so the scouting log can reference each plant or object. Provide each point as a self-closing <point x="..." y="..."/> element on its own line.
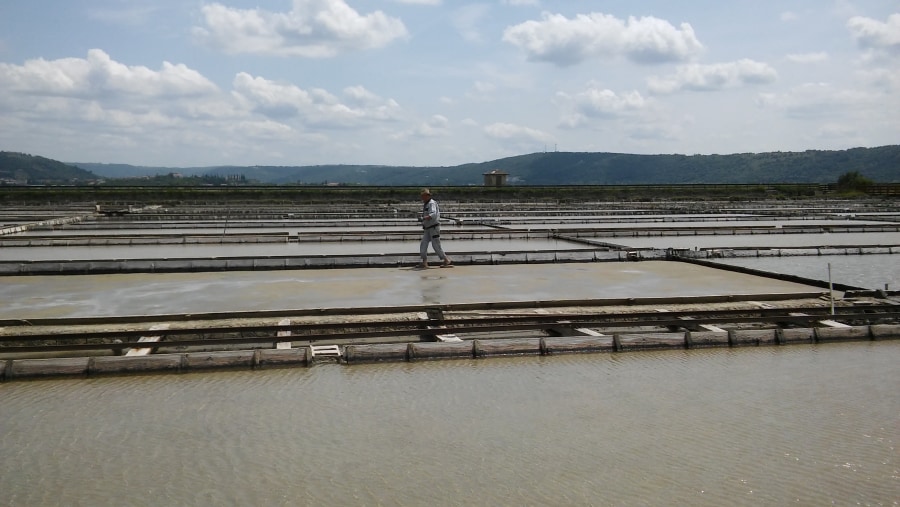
<point x="880" y="164"/>
<point x="564" y="168"/>
<point x="877" y="164"/>
<point x="24" y="169"/>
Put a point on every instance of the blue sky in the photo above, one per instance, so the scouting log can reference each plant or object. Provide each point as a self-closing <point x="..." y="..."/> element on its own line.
<point x="181" y="83"/>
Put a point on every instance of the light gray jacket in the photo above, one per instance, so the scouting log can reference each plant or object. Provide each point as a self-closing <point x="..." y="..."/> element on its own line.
<point x="431" y="214"/>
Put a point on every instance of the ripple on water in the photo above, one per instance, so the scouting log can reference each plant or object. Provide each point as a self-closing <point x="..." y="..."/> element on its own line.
<point x="749" y="426"/>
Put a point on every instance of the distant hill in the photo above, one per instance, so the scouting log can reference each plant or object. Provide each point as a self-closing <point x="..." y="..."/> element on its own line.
<point x="126" y="170"/>
<point x="880" y="164"/>
<point x="24" y="169"/>
<point x="877" y="164"/>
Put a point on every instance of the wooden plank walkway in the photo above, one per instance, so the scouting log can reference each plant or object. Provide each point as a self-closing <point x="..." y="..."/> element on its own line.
<point x="448" y="337"/>
<point x="283" y="334"/>
<point x="148" y="339"/>
<point x="825" y="322"/>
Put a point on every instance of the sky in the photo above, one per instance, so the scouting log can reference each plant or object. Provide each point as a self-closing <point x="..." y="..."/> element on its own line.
<point x="195" y="83"/>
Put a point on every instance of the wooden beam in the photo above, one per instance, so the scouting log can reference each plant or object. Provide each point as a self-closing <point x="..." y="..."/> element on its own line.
<point x="284" y="333"/>
<point x="825" y="322"/>
<point x="563" y="330"/>
<point x="447" y="337"/>
<point x="149" y="339"/>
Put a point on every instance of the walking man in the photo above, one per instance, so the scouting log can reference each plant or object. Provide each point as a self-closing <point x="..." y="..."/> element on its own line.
<point x="431" y="225"/>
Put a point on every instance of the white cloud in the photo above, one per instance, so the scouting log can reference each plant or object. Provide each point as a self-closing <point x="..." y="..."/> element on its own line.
<point x="607" y="102"/>
<point x="316" y="107"/>
<point x="467" y="19"/>
<point x="837" y="131"/>
<point x="563" y="41"/>
<point x="312" y="29"/>
<point x="656" y="132"/>
<point x="419" y="2"/>
<point x="883" y="79"/>
<point x="99" y="76"/>
<point x="697" y="77"/>
<point x="572" y="121"/>
<point x="130" y="14"/>
<point x="815" y="100"/>
<point x="112" y="97"/>
<point x="153" y="98"/>
<point x="96" y="104"/>
<point x="438" y="121"/>
<point x="881" y="37"/>
<point x="807" y="57"/>
<point x="280" y="100"/>
<point x="436" y="126"/>
<point x="509" y="131"/>
<point x="788" y="16"/>
<point x="262" y="129"/>
<point x="360" y="96"/>
<point x="598" y="102"/>
<point x="482" y="90"/>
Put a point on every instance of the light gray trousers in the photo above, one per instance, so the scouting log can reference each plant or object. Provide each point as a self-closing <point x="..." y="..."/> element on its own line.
<point x="432" y="236"/>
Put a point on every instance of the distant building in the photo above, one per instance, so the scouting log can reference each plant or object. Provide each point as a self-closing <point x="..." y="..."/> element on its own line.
<point x="495" y="178"/>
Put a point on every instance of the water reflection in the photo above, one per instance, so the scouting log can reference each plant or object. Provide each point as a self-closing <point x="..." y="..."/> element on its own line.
<point x="431" y="285"/>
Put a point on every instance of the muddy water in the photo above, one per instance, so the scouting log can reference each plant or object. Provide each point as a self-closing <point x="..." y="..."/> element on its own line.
<point x="802" y="425"/>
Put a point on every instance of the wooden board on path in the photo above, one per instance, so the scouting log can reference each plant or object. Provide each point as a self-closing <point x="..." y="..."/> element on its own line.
<point x="143" y="351"/>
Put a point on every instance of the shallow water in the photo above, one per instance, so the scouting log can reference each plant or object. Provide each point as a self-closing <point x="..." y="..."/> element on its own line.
<point x="802" y="424"/>
<point x="407" y="247"/>
<point x="762" y="241"/>
<point x="866" y="271"/>
<point x="46" y="296"/>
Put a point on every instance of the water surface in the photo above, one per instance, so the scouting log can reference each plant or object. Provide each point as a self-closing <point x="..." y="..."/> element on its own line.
<point x="802" y="425"/>
<point x="873" y="271"/>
